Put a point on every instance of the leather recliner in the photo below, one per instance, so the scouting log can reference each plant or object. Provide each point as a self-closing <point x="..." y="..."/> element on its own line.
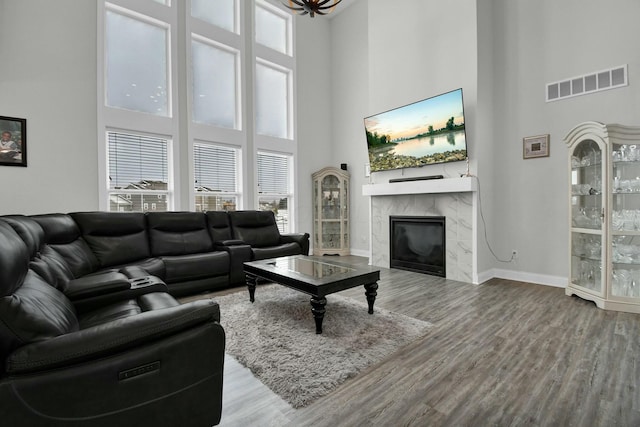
<point x="138" y="359"/>
<point x="90" y="333"/>
<point x="259" y="230"/>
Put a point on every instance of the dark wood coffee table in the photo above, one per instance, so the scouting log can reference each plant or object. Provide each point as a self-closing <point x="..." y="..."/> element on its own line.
<point x="315" y="276"/>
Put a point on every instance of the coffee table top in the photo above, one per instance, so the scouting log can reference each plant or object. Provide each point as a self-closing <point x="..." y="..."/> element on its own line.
<point x="313" y="275"/>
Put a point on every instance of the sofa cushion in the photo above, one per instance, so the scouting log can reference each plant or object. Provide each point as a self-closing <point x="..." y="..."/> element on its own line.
<point x="178" y="233"/>
<point x="256" y="228"/>
<point x="58" y="273"/>
<point x="63" y="236"/>
<point x="54" y="273"/>
<point x="34" y="312"/>
<point x="156" y="301"/>
<point x="58" y="228"/>
<point x="29" y="231"/>
<point x="219" y="227"/>
<point x="14" y="259"/>
<point x="195" y="266"/>
<point x="114" y="237"/>
<point x="114" y="311"/>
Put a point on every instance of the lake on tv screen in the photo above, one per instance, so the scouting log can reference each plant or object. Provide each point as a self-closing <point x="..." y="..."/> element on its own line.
<point x="428" y="145"/>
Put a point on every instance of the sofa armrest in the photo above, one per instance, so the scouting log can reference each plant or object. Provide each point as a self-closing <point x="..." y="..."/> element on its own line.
<point x="239" y="253"/>
<point x="230" y="242"/>
<point x="300" y="238"/>
<point x="134" y="271"/>
<point x="97" y="284"/>
<point x="109" y="338"/>
<point x="135" y="287"/>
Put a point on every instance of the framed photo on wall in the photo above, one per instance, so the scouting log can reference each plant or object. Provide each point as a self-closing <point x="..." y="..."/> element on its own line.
<point x="535" y="146"/>
<point x="13" y="141"/>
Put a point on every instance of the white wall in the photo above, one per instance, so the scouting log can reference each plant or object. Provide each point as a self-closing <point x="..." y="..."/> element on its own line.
<point x="537" y="43"/>
<point x="483" y="150"/>
<point x="314" y="83"/>
<point x="48" y="76"/>
<point x="385" y="56"/>
<point x="350" y="94"/>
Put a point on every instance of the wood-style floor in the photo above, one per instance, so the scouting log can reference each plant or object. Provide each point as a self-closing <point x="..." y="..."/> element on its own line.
<point x="500" y="354"/>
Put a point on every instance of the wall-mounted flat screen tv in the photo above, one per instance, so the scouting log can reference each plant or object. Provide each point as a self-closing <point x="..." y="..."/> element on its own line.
<point x="423" y="133"/>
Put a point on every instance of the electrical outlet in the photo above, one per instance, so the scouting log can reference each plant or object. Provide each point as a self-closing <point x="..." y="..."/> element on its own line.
<point x="514" y="255"/>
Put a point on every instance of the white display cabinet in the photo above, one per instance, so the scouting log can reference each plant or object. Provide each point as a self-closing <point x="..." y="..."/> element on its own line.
<point x="604" y="194"/>
<point x="331" y="212"/>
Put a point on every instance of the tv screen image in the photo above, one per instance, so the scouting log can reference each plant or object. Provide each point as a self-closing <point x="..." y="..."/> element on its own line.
<point x="422" y="133"/>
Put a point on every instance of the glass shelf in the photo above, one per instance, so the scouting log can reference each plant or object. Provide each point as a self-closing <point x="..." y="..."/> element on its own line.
<point x="594" y="166"/>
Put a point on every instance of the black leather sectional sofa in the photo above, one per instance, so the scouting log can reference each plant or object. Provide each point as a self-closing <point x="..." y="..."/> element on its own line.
<point x="90" y="331"/>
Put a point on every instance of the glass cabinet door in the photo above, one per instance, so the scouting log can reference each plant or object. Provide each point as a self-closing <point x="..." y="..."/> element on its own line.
<point x="331" y="202"/>
<point x="587" y="213"/>
<point x="345" y="214"/>
<point x="316" y="206"/>
<point x="625" y="221"/>
<point x="331" y="205"/>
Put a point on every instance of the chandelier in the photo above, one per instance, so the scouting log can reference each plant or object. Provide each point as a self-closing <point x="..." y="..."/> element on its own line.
<point x="302" y="7"/>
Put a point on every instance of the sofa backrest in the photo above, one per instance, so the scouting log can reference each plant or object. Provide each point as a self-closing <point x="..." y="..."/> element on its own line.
<point x="62" y="235"/>
<point x="219" y="227"/>
<point x="45" y="261"/>
<point x="30" y="308"/>
<point x="178" y="233"/>
<point x="115" y="238"/>
<point x="14" y="260"/>
<point x="256" y="228"/>
<point x="29" y="231"/>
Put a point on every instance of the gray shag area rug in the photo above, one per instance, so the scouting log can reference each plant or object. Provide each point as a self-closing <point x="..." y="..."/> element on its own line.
<point x="275" y="338"/>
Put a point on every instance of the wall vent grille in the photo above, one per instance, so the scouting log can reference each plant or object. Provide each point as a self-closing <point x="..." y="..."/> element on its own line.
<point x="588" y="83"/>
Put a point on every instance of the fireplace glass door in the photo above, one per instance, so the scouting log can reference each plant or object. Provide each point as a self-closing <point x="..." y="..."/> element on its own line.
<point x="418" y="244"/>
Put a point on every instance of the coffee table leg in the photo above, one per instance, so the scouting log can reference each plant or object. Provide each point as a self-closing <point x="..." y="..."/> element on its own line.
<point x="370" y="292"/>
<point x="252" y="281"/>
<point x="317" y="308"/>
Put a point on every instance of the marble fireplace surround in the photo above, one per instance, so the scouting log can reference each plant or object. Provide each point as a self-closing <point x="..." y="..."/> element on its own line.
<point x="453" y="198"/>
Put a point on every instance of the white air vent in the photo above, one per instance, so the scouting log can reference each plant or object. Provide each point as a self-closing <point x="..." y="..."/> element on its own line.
<point x="588" y="83"/>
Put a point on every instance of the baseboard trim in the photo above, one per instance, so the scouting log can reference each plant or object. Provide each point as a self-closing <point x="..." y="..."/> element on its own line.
<point x="523" y="276"/>
<point x="359" y="252"/>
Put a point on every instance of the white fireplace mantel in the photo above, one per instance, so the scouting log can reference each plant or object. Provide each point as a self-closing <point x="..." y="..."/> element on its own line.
<point x="454" y="198"/>
<point x="429" y="186"/>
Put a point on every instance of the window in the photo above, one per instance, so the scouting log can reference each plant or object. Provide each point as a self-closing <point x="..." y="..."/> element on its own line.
<point x="274" y="187"/>
<point x="272" y="100"/>
<point x="220" y="13"/>
<point x="273" y="28"/>
<point x="138" y="172"/>
<point x="136" y="64"/>
<point x="215" y="70"/>
<point x="188" y="93"/>
<point x="216" y="177"/>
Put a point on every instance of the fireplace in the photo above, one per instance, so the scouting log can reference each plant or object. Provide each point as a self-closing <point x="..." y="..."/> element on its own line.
<point x="417" y="243"/>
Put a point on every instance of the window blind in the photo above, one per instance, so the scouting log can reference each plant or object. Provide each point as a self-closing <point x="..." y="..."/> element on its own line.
<point x="137" y="162"/>
<point x="215" y="168"/>
<point x="273" y="174"/>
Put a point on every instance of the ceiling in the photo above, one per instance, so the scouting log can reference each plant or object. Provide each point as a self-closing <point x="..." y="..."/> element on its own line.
<point x="343" y="5"/>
